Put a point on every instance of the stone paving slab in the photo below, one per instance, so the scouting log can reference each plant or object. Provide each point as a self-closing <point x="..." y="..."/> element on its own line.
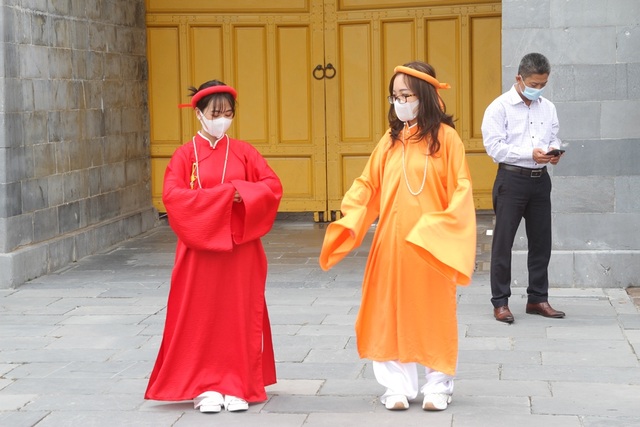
<point x="77" y="347"/>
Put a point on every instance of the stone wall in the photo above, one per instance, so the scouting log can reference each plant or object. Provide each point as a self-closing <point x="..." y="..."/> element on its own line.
<point x="74" y="132"/>
<point x="594" y="50"/>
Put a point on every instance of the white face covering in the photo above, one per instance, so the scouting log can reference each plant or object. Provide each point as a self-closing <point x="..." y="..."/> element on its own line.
<point x="215" y="127"/>
<point x="407" y="111"/>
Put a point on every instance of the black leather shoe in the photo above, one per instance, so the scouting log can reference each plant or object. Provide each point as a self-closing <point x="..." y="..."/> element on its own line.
<point x="544" y="309"/>
<point x="503" y="314"/>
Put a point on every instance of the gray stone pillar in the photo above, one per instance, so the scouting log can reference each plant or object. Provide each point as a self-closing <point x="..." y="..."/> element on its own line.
<point x="74" y="132"/>
<point x="594" y="50"/>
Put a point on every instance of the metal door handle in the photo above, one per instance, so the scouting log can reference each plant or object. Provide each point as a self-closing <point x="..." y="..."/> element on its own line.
<point x="315" y="70"/>
<point x="330" y="68"/>
<point x="320" y="72"/>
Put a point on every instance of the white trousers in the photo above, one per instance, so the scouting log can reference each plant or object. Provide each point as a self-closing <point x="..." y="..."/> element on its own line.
<point x="402" y="378"/>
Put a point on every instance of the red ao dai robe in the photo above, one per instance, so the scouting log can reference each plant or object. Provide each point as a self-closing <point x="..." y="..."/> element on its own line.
<point x="217" y="335"/>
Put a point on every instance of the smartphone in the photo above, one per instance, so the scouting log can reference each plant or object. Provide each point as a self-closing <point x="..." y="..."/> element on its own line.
<point x="555" y="152"/>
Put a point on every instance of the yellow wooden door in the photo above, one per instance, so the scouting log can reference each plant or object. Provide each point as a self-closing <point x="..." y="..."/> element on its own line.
<point x="366" y="39"/>
<point x="267" y="52"/>
<point x="312" y="80"/>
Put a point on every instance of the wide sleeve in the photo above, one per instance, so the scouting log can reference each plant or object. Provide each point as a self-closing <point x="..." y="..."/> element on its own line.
<point x="200" y="218"/>
<point x="261" y="194"/>
<point x="360" y="207"/>
<point x="447" y="239"/>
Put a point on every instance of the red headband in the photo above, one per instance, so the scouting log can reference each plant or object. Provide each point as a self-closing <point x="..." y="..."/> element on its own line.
<point x="208" y="91"/>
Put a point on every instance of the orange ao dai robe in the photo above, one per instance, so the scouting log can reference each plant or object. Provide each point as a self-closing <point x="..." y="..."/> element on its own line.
<point x="217" y="334"/>
<point x="422" y="248"/>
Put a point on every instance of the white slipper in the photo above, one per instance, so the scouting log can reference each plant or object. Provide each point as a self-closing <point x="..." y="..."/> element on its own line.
<point x="209" y="402"/>
<point x="234" y="404"/>
<point x="436" y="401"/>
<point x="396" y="402"/>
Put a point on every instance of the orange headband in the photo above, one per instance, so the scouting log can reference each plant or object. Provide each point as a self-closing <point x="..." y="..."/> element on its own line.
<point x="208" y="91"/>
<point x="422" y="76"/>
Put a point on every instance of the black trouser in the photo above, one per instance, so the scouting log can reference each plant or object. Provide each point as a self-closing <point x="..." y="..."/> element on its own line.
<point x="517" y="196"/>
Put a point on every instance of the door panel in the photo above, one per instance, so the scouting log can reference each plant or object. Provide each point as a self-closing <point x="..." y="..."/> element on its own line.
<point x="268" y="58"/>
<point x="164" y="96"/>
<point x="486" y="84"/>
<point x="463" y="44"/>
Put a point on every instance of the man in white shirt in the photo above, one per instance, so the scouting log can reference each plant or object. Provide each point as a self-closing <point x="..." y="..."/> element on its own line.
<point x="519" y="130"/>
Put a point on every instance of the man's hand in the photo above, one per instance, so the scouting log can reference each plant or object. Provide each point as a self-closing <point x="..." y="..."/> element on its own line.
<point x="541" y="158"/>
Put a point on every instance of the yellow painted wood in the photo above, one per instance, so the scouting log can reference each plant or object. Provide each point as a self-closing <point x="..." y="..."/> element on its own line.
<point x="164" y="97"/>
<point x="369" y="38"/>
<point x="317" y="134"/>
<point x="227" y="6"/>
<point x="268" y="58"/>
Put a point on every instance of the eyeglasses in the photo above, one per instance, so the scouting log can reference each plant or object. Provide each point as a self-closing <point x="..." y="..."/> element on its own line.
<point x="401" y="98"/>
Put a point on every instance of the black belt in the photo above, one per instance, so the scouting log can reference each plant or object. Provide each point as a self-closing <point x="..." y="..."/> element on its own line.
<point x="531" y="173"/>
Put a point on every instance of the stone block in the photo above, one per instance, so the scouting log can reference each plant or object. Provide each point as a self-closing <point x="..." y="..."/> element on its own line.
<point x="14" y="138"/>
<point x="59" y="7"/>
<point x="97" y="40"/>
<point x="537" y="13"/>
<point x="69" y="217"/>
<point x="35" y="132"/>
<point x="583" y="194"/>
<point x="579" y="120"/>
<point x="10" y="60"/>
<point x="60" y="252"/>
<point x="607" y="268"/>
<point x="633" y="77"/>
<point x="10" y="199"/>
<point x="628" y="43"/>
<point x="60" y="64"/>
<point x="113" y="176"/>
<point x="627" y="191"/>
<point x="35" y="5"/>
<point x="562" y="46"/>
<point x="42" y="98"/>
<point x="62" y="95"/>
<point x="79" y="69"/>
<point x="561" y="85"/>
<point x="561" y="269"/>
<point x="622" y="81"/>
<point x="95" y="65"/>
<point x="44" y="161"/>
<point x="76" y="185"/>
<point x="56" y="189"/>
<point x="34" y="62"/>
<point x="35" y="194"/>
<point x="588" y="13"/>
<point x="596" y="232"/>
<point x="618" y="121"/>
<point x="596" y="157"/>
<point x="112" y="69"/>
<point x="40" y="28"/>
<point x="45" y="224"/>
<point x="585" y="75"/>
<point x="19" y="232"/>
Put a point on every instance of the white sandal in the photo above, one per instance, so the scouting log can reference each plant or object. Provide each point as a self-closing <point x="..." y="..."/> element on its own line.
<point x="209" y="402"/>
<point x="234" y="404"/>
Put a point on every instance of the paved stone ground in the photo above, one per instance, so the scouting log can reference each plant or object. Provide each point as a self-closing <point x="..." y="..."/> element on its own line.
<point x="77" y="346"/>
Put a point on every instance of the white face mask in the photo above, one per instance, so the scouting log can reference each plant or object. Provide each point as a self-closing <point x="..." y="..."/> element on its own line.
<point x="407" y="111"/>
<point x="215" y="127"/>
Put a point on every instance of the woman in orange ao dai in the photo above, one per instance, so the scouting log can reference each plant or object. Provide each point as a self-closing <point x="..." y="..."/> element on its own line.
<point x="417" y="185"/>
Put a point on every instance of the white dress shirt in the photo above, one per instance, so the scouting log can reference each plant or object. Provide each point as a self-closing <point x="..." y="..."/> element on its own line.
<point x="511" y="129"/>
